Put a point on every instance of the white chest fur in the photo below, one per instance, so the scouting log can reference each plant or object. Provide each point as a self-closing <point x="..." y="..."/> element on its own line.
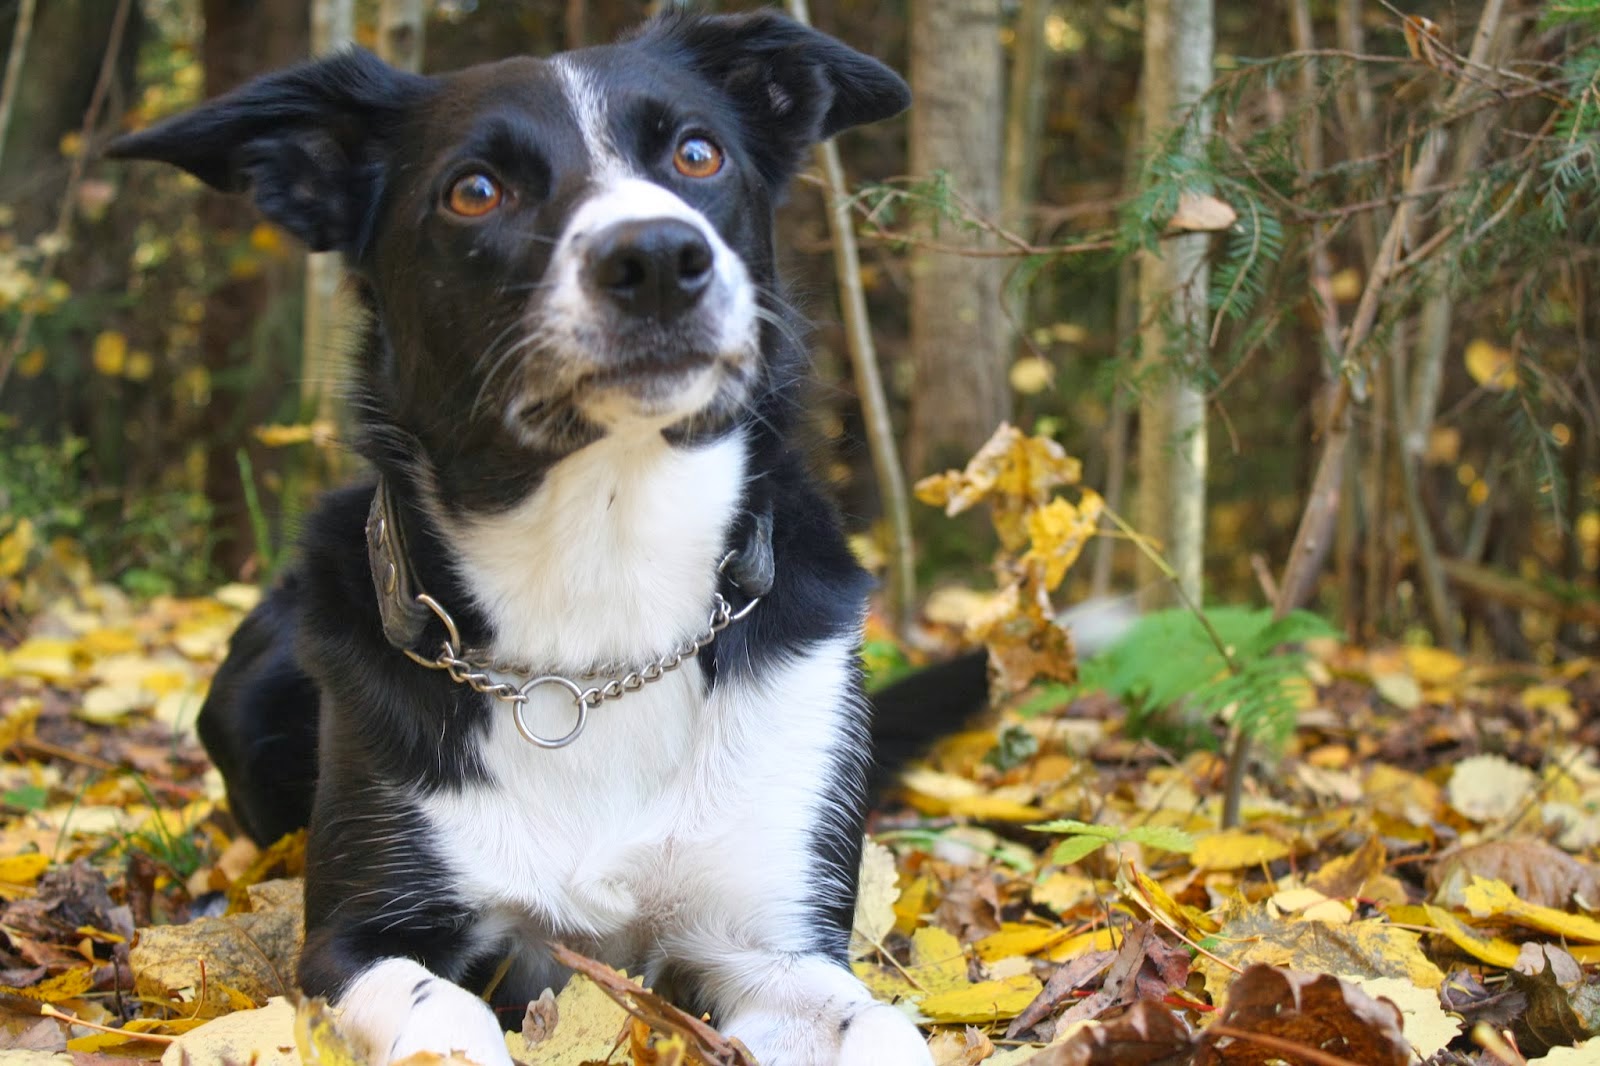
<point x="612" y="560"/>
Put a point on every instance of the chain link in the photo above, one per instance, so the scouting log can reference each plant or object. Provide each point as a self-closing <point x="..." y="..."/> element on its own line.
<point x="473" y="668"/>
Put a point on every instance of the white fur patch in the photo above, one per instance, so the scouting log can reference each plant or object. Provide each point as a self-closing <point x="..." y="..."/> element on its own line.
<point x="612" y="559"/>
<point x="397" y="1008"/>
<point x="589" y="108"/>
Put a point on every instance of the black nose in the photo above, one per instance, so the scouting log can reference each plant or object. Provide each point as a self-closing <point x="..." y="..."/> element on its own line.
<point x="655" y="266"/>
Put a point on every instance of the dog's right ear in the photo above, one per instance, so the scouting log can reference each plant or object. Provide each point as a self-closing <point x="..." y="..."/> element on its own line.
<point x="310" y="142"/>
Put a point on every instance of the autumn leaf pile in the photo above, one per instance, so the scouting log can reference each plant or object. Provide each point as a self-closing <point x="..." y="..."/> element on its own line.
<point x="1412" y="878"/>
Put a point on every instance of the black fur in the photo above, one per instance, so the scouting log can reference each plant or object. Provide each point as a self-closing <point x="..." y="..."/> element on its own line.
<point x="351" y="155"/>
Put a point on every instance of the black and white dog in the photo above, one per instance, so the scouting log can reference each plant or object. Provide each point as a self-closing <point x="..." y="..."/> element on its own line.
<point x="582" y="666"/>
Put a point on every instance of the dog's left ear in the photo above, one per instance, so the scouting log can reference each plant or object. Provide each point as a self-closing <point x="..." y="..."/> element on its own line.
<point x="795" y="85"/>
<point x="309" y="142"/>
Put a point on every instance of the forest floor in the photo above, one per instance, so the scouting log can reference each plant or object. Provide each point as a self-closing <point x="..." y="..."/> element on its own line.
<point x="1412" y="880"/>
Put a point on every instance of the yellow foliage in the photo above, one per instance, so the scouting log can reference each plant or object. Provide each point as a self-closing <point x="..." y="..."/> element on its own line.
<point x="110" y="353"/>
<point x="1492" y="950"/>
<point x="48" y="658"/>
<point x="268" y="239"/>
<point x="1013" y="472"/>
<point x="1491" y="366"/>
<point x="1434" y="666"/>
<point x="1057" y="532"/>
<point x="140" y="366"/>
<point x="1031" y="375"/>
<point x="1015" y="938"/>
<point x="15" y="547"/>
<point x="318" y="1039"/>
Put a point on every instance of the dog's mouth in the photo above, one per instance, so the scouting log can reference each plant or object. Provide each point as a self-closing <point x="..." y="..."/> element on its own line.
<point x="652" y="373"/>
<point x="681" y="386"/>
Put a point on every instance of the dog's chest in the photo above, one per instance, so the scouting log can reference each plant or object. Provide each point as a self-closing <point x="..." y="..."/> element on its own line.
<point x="612" y="562"/>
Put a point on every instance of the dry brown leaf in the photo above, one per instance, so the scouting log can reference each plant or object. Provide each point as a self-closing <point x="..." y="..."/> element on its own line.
<point x="1200" y="212"/>
<point x="1148" y="1035"/>
<point x="1343" y="876"/>
<point x="1270" y="1011"/>
<point x="960" y="1047"/>
<point x="1537" y="872"/>
<point x="1253" y="935"/>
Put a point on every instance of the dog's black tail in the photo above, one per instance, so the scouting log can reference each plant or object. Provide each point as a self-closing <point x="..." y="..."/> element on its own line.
<point x="912" y="713"/>
<point x="938" y="700"/>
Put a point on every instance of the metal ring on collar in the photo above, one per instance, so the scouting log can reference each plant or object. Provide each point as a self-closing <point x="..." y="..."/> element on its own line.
<point x="452" y="635"/>
<point x="578" y="701"/>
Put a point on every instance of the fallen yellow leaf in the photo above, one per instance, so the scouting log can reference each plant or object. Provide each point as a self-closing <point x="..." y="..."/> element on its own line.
<point x="1014" y="938"/>
<point x="23" y="869"/>
<point x="1433" y="666"/>
<point x="1494" y="899"/>
<point x="1492" y="950"/>
<point x="986" y="1001"/>
<point x="61" y="987"/>
<point x="1236" y="849"/>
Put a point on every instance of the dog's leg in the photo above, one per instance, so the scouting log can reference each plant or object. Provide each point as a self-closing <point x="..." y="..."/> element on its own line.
<point x="809" y="1010"/>
<point x="387" y="937"/>
<point x="766" y="917"/>
<point x="397" y="1007"/>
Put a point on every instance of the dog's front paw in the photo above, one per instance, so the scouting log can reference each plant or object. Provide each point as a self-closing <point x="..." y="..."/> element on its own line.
<point x="873" y="1035"/>
<point x="880" y="1035"/>
<point x="398" y="1008"/>
<point x="446" y="1018"/>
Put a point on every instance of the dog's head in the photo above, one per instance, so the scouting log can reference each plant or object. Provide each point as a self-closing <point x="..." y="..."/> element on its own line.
<point x="552" y="249"/>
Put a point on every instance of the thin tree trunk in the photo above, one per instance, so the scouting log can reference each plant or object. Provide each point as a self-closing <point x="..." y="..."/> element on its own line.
<point x="957" y="322"/>
<point x="1173" y="315"/>
<point x="864" y="362"/>
<point x="1116" y="437"/>
<point x="1024" y="115"/>
<point x="243" y="38"/>
<point x="401" y="25"/>
<point x="332" y="28"/>
<point x="1316" y="523"/>
<point x="575" y="23"/>
<point x="20" y="35"/>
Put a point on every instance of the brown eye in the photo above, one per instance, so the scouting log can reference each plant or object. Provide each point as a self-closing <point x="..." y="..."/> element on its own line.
<point x="474" y="195"/>
<point x="697" y="157"/>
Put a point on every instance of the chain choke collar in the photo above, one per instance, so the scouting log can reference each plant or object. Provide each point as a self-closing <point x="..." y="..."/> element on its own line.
<point x="407" y="610"/>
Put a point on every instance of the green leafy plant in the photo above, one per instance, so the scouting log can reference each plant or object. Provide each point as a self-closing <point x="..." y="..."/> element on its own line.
<point x="1083" y="839"/>
<point x="1170" y="669"/>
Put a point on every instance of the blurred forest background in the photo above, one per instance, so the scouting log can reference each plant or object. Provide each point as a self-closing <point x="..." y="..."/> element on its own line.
<point x="1309" y="286"/>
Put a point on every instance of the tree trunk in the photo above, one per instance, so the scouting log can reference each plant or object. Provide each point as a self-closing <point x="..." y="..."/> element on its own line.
<point x="957" y="323"/>
<point x="332" y="28"/>
<point x="400" y="33"/>
<point x="1173" y="317"/>
<point x="1024" y="115"/>
<point x="243" y="38"/>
